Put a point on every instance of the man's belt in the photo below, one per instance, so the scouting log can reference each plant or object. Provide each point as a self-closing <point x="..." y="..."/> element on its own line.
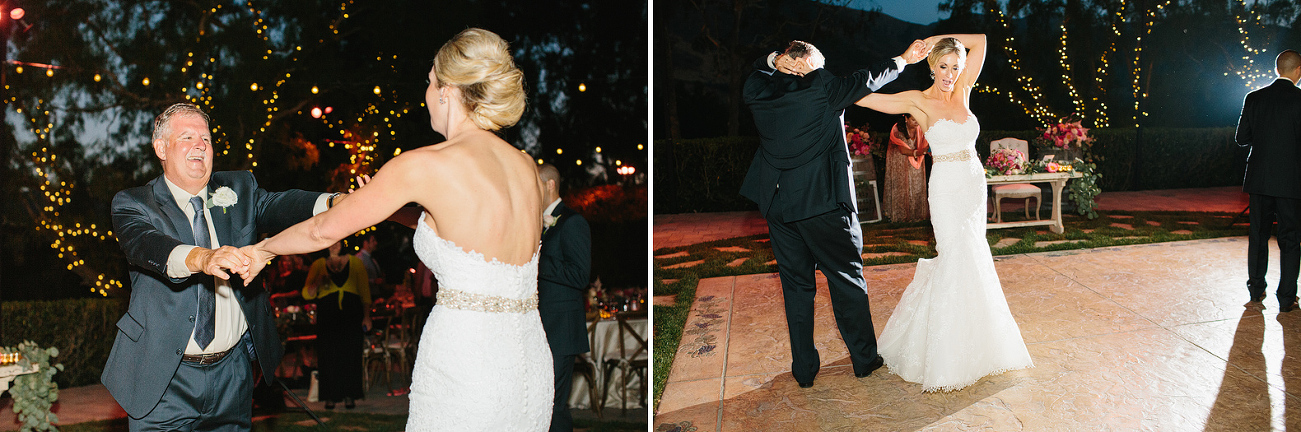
<point x="205" y="359"/>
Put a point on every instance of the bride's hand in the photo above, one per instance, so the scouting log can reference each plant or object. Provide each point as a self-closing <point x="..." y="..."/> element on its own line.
<point x="258" y="259"/>
<point x="917" y="51"/>
<point x="362" y="180"/>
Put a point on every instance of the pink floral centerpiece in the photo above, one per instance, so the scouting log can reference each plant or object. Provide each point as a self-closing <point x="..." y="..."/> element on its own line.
<point x="860" y="142"/>
<point x="1006" y="161"/>
<point x="1067" y="130"/>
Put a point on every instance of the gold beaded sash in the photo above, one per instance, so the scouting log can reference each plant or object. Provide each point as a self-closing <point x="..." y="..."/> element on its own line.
<point x="457" y="299"/>
<point x="964" y="154"/>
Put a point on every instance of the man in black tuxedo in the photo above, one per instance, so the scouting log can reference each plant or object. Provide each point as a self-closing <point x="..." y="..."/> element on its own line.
<point x="1270" y="127"/>
<point x="801" y="179"/>
<point x="185" y="349"/>
<point x="564" y="267"/>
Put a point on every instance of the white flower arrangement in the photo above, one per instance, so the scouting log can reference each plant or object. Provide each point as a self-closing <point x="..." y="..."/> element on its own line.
<point x="223" y="197"/>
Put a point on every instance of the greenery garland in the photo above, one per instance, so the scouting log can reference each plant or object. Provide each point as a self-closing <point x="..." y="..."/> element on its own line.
<point x="34" y="393"/>
<point x="1083" y="190"/>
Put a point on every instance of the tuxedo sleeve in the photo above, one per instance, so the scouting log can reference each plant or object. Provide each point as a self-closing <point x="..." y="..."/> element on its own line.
<point x="575" y="266"/>
<point x="844" y="91"/>
<point x="142" y="243"/>
<point x="1243" y="135"/>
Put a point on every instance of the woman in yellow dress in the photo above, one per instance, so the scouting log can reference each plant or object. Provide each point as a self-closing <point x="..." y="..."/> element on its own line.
<point x="338" y="285"/>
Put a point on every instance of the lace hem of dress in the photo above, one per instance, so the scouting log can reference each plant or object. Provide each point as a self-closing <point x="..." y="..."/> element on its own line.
<point x="961" y="155"/>
<point x="959" y="386"/>
<point x="457" y="299"/>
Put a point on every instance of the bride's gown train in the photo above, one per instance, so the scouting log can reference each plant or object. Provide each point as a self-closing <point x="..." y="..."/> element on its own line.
<point x="952" y="325"/>
<point x="484" y="363"/>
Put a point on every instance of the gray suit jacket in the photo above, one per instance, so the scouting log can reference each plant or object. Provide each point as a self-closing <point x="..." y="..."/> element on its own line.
<point x="153" y="333"/>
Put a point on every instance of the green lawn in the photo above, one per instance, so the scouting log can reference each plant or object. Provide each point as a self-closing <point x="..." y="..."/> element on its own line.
<point x="893" y="243"/>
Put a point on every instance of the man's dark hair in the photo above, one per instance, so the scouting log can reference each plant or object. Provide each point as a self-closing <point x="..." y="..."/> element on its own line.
<point x="1287" y="61"/>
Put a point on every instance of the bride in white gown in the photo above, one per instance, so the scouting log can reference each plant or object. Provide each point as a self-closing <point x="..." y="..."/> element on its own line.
<point x="483" y="362"/>
<point x="952" y="325"/>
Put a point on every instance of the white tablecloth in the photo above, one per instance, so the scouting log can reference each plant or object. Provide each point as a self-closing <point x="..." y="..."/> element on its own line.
<point x="607" y="340"/>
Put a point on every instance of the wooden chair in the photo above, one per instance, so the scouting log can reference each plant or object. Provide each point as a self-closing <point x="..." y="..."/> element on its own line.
<point x="627" y="360"/>
<point x="397" y="342"/>
<point x="374" y="353"/>
<point x="1015" y="190"/>
<point x="586" y="368"/>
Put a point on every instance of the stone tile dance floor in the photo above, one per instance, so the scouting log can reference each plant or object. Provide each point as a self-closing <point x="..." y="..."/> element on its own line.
<point x="1147" y="337"/>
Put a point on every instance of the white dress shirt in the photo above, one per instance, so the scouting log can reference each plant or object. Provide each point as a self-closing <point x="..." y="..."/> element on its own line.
<point x="229" y="318"/>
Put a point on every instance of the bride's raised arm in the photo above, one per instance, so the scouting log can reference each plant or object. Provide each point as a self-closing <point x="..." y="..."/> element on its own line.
<point x="379" y="198"/>
<point x="906" y="102"/>
<point x="975" y="44"/>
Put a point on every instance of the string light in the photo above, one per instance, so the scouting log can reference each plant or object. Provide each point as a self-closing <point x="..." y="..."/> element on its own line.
<point x="1249" y="72"/>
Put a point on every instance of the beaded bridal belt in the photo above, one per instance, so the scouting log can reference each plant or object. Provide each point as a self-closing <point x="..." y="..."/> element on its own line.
<point x="456" y="299"/>
<point x="965" y="154"/>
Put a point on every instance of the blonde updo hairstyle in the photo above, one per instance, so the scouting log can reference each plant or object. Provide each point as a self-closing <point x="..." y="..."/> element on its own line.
<point x="943" y="47"/>
<point x="479" y="64"/>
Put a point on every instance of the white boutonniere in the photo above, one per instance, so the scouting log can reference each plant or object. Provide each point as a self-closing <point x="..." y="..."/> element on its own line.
<point x="549" y="221"/>
<point x="223" y="197"/>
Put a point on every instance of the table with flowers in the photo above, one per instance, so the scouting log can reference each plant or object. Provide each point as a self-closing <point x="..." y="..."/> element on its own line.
<point x="1058" y="182"/>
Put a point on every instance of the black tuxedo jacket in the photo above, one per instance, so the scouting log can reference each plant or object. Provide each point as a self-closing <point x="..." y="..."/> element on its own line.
<point x="153" y="333"/>
<point x="1270" y="127"/>
<point x="802" y="138"/>
<point x="563" y="272"/>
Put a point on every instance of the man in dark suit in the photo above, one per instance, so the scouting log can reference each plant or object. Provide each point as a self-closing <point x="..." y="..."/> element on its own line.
<point x="564" y="267"/>
<point x="184" y="351"/>
<point x="1270" y="127"/>
<point x="801" y="179"/>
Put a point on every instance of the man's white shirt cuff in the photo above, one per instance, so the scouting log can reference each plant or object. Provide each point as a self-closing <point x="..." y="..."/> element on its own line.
<point x="176" y="268"/>
<point x="899" y="61"/>
<point x="322" y="204"/>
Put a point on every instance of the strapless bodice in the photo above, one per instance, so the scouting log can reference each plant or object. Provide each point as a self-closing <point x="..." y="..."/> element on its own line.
<point x="469" y="271"/>
<point x="947" y="136"/>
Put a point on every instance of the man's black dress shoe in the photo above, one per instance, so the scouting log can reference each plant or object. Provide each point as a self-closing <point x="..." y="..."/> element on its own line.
<point x="1290" y="307"/>
<point x="1258" y="298"/>
<point x="805" y="385"/>
<point x="871" y="367"/>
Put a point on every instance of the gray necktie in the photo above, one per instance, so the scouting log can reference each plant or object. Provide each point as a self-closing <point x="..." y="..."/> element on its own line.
<point x="205" y="328"/>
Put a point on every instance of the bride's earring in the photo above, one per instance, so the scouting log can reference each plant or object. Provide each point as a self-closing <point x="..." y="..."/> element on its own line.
<point x="441" y="97"/>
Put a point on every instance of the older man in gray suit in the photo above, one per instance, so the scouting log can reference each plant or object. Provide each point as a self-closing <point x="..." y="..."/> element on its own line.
<point x="185" y="348"/>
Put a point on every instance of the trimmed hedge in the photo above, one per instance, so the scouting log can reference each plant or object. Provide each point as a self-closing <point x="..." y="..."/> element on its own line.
<point x="82" y="330"/>
<point x="704" y="175"/>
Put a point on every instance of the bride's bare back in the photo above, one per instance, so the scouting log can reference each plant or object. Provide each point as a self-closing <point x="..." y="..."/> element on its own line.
<point x="484" y="196"/>
<point x="480" y="192"/>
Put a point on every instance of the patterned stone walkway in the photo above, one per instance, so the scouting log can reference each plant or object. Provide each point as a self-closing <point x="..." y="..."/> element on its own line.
<point x="1147" y="337"/>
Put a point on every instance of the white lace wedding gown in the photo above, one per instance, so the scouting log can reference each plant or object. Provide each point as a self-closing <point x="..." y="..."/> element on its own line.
<point x="952" y="325"/>
<point x="484" y="363"/>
